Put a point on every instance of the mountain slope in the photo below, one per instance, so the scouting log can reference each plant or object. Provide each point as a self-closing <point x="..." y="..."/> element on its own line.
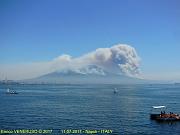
<point x="91" y="74"/>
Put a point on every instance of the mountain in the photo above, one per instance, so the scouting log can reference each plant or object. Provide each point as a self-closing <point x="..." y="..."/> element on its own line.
<point x="89" y="74"/>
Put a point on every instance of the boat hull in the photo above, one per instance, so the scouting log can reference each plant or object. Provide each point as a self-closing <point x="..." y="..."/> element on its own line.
<point x="165" y="117"/>
<point x="11" y="93"/>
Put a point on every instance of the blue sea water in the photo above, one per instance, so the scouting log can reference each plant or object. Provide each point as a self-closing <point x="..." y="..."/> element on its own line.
<point x="91" y="107"/>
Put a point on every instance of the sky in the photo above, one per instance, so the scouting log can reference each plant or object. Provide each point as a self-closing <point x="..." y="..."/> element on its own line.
<point x="38" y="31"/>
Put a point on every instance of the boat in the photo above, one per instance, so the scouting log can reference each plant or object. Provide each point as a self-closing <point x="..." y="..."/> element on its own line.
<point x="159" y="114"/>
<point x="115" y="91"/>
<point x="11" y="91"/>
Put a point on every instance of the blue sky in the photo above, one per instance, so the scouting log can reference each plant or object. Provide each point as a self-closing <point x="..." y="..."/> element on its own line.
<point x="40" y="30"/>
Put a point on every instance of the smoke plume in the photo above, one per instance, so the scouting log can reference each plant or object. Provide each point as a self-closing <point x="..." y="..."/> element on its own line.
<point x="119" y="59"/>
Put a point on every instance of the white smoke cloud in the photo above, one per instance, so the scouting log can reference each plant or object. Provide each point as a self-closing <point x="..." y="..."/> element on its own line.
<point x="119" y="59"/>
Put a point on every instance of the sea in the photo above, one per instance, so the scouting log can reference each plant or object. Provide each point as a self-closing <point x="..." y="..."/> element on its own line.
<point x="87" y="109"/>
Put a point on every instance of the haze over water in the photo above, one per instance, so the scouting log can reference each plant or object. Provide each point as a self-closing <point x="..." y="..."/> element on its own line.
<point x="90" y="107"/>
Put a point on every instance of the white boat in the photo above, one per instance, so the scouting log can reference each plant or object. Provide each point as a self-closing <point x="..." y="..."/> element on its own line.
<point x="115" y="90"/>
<point x="11" y="91"/>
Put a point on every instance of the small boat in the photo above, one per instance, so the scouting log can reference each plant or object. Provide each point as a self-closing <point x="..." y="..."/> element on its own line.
<point x="11" y="91"/>
<point x="115" y="91"/>
<point x="162" y="115"/>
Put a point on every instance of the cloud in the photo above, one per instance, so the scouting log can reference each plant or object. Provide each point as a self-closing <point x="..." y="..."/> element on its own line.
<point x="119" y="59"/>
